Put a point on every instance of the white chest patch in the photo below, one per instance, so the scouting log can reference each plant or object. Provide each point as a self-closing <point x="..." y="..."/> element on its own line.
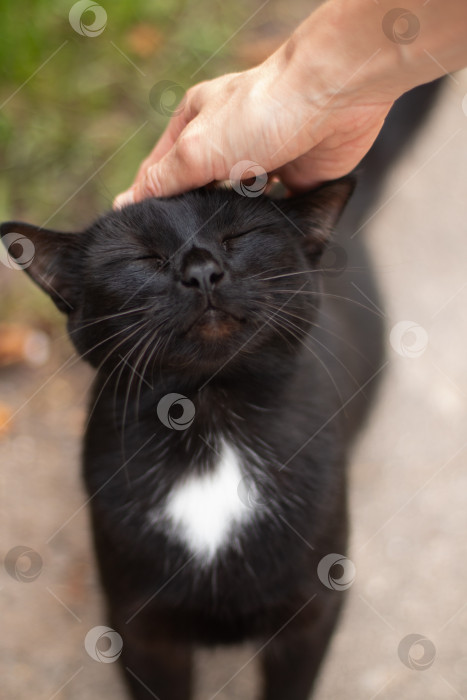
<point x="205" y="510"/>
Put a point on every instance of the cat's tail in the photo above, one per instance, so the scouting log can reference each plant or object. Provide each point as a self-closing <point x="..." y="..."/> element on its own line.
<point x="400" y="129"/>
<point x="354" y="292"/>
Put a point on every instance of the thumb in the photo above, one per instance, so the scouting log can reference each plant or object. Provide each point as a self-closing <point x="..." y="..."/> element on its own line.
<point x="188" y="164"/>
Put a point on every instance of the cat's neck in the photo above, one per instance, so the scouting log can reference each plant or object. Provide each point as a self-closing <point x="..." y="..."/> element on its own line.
<point x="227" y="396"/>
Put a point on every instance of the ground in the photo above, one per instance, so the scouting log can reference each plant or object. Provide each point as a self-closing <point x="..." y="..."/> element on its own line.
<point x="408" y="476"/>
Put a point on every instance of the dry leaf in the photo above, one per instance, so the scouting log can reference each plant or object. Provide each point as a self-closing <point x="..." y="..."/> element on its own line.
<point x="144" y="40"/>
<point x="5" y="419"/>
<point x="20" y="343"/>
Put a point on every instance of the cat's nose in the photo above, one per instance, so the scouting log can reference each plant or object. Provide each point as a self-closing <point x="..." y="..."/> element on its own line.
<point x="203" y="275"/>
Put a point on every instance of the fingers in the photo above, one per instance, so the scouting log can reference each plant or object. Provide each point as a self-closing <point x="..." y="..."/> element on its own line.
<point x="166" y="142"/>
<point x="185" y="166"/>
<point x="171" y="133"/>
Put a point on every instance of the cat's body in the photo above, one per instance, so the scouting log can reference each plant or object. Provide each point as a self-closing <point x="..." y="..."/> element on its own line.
<point x="216" y="525"/>
<point x="220" y="527"/>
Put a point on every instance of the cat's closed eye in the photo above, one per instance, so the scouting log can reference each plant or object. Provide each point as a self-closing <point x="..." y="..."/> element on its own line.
<point x="229" y="241"/>
<point x="157" y="260"/>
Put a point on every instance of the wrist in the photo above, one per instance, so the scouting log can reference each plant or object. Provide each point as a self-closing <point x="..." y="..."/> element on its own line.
<point x="363" y="52"/>
<point x="340" y="51"/>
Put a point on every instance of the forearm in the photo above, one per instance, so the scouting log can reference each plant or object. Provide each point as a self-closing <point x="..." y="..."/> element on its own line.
<point x="360" y="47"/>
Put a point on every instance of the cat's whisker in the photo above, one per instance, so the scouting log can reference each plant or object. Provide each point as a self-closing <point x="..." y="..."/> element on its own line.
<point x="124" y="362"/>
<point x="84" y="354"/>
<point x="109" y="317"/>
<point x="151" y="333"/>
<point x="288" y="274"/>
<point x="265" y="272"/>
<point x="332" y="296"/>
<point x="321" y="270"/>
<point x="165" y="347"/>
<point x="132" y="374"/>
<point x="275" y="329"/>
<point x="111" y="352"/>
<point x="287" y="326"/>
<point x="140" y="359"/>
<point x="313" y="339"/>
<point x="110" y="337"/>
<point x="137" y="325"/>
<point x="304" y="272"/>
<point x="145" y="366"/>
<point x="99" y="319"/>
<point x="339" y="337"/>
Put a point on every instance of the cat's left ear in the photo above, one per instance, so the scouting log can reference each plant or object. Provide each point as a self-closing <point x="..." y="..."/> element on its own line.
<point x="315" y="214"/>
<point x="51" y="258"/>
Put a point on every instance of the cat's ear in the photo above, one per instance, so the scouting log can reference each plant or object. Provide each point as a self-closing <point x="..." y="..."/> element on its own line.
<point x="316" y="213"/>
<point x="51" y="258"/>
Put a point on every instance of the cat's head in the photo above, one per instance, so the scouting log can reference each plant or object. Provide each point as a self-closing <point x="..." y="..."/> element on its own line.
<point x="200" y="283"/>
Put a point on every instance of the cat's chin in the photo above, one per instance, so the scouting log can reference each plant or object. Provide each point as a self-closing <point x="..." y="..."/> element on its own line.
<point x="212" y="340"/>
<point x="215" y="326"/>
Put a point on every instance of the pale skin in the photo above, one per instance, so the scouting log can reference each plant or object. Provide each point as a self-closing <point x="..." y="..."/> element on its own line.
<point x="311" y="111"/>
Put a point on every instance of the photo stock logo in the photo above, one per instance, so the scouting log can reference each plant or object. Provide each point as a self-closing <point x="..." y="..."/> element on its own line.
<point x="336" y="572"/>
<point x="408" y="339"/>
<point x="88" y="18"/>
<point x="464" y="105"/>
<point x="103" y="644"/>
<point x="165" y="97"/>
<point x="176" y="412"/>
<point x="17" y="251"/>
<point x="401" y="26"/>
<point x="334" y="260"/>
<point x="248" y="178"/>
<point x="23" y="564"/>
<point x="417" y="652"/>
<point x="249" y="494"/>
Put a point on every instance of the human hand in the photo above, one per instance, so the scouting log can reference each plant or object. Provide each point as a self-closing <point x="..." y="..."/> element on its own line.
<point x="312" y="110"/>
<point x="259" y="116"/>
<point x="250" y="116"/>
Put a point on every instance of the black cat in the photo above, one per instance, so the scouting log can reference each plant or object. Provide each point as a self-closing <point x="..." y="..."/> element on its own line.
<point x="234" y="368"/>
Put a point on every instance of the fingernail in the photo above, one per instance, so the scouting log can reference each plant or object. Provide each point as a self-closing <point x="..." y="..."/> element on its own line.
<point x="124" y="199"/>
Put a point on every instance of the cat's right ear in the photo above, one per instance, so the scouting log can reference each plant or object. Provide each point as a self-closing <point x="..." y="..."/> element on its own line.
<point x="315" y="213"/>
<point x="51" y="258"/>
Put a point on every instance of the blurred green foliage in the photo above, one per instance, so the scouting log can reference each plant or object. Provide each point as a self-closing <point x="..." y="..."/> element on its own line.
<point x="70" y="102"/>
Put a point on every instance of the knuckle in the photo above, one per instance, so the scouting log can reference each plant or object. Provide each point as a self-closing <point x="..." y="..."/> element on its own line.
<point x="152" y="182"/>
<point x="189" y="94"/>
<point x="187" y="147"/>
<point x="143" y="169"/>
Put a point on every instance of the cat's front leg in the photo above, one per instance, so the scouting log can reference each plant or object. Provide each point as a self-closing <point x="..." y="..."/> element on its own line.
<point x="291" y="657"/>
<point x="154" y="666"/>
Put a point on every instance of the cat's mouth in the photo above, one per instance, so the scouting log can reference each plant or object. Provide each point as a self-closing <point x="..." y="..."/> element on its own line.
<point x="214" y="323"/>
